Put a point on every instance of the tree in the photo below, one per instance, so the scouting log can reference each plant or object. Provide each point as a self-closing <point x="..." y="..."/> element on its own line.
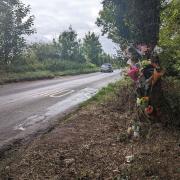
<point x="131" y="21"/>
<point x="15" y="23"/>
<point x="92" y="48"/>
<point x="68" y="44"/>
<point x="45" y="51"/>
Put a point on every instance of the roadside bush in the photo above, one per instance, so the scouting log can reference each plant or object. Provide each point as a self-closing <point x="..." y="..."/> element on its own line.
<point x="170" y="60"/>
<point x="26" y="63"/>
<point x="28" y="67"/>
<point x="171" y="93"/>
<point x="62" y="65"/>
<point x="90" y="65"/>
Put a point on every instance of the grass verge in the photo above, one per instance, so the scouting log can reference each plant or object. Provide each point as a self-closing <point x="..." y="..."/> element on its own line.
<point x="30" y="76"/>
<point x="108" y="92"/>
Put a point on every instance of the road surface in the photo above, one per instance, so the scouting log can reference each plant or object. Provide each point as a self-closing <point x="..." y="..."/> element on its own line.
<point x="29" y="106"/>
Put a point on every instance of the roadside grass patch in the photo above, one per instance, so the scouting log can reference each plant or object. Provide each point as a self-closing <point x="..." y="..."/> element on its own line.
<point x="39" y="75"/>
<point x="108" y="92"/>
<point x="26" y="76"/>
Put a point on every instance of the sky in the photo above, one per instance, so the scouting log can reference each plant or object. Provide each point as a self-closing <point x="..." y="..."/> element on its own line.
<point x="54" y="16"/>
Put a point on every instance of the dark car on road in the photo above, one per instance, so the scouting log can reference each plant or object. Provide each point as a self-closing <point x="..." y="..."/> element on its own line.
<point x="107" y="67"/>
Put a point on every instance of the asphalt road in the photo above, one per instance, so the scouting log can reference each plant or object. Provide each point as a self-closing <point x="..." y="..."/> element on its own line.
<point x="27" y="107"/>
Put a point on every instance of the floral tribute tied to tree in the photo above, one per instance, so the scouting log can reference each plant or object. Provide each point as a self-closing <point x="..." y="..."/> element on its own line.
<point x="135" y="25"/>
<point x="146" y="74"/>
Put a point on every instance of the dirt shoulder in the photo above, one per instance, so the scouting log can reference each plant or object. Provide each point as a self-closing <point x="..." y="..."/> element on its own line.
<point x="92" y="144"/>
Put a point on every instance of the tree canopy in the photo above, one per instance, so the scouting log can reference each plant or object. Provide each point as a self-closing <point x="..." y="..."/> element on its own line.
<point x="68" y="44"/>
<point x="170" y="37"/>
<point x="131" y="21"/>
<point x="15" y="23"/>
<point x="92" y="48"/>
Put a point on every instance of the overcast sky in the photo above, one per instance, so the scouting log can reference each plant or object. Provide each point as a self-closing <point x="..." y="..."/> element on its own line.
<point x="55" y="16"/>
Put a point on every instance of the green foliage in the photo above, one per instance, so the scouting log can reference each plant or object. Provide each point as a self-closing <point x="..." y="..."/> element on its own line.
<point x="68" y="43"/>
<point x="171" y="86"/>
<point x="56" y="65"/>
<point x="69" y="47"/>
<point x="108" y="92"/>
<point x="44" y="74"/>
<point x="26" y="76"/>
<point x="106" y="58"/>
<point x="170" y="37"/>
<point x="15" y="22"/>
<point x="92" y="48"/>
<point x="90" y="65"/>
<point x="130" y="21"/>
<point x="44" y="51"/>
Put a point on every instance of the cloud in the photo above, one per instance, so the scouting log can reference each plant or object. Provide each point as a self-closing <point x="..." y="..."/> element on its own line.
<point x="54" y="16"/>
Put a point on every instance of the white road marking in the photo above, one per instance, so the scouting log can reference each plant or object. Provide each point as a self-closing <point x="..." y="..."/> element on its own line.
<point x="67" y="92"/>
<point x="50" y="92"/>
<point x="56" y="93"/>
<point x="56" y="109"/>
<point x="75" y="99"/>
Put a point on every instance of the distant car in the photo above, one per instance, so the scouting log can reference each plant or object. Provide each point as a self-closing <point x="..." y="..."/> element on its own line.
<point x="106" y="68"/>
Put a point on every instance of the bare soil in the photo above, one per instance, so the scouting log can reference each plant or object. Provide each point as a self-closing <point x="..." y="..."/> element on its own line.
<point x="93" y="144"/>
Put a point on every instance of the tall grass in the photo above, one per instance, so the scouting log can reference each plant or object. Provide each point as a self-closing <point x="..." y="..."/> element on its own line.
<point x="52" y="65"/>
<point x="32" y="69"/>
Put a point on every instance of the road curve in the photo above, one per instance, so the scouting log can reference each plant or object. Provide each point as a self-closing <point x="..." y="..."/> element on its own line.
<point x="27" y="107"/>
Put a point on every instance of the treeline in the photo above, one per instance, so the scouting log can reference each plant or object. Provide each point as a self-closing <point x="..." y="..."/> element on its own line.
<point x="67" y="52"/>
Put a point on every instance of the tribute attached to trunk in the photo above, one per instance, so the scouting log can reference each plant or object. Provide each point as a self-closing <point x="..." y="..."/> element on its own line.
<point x="136" y="23"/>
